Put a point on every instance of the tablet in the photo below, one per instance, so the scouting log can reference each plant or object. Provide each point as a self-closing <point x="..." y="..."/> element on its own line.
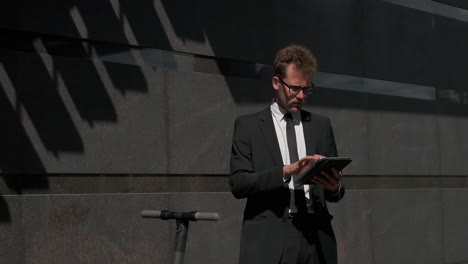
<point x="323" y="164"/>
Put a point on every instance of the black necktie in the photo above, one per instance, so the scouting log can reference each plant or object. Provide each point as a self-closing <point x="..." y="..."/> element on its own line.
<point x="299" y="194"/>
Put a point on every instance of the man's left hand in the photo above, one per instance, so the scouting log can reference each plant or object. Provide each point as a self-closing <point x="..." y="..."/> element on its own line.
<point x="331" y="181"/>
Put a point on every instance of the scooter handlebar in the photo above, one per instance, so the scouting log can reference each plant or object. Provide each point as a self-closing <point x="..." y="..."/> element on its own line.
<point x="193" y="216"/>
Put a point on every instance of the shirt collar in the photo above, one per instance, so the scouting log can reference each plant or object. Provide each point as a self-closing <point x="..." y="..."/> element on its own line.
<point x="278" y="113"/>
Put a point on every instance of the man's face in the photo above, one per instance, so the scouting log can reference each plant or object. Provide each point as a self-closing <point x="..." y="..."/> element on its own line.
<point x="286" y="98"/>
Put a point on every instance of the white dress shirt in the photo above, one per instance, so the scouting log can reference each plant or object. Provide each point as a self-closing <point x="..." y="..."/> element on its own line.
<point x="280" y="129"/>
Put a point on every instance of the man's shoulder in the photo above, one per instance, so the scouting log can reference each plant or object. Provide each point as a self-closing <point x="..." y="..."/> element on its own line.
<point x="254" y="116"/>
<point x="309" y="116"/>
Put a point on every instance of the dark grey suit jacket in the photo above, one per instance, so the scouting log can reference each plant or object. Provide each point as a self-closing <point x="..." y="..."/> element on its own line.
<point x="257" y="174"/>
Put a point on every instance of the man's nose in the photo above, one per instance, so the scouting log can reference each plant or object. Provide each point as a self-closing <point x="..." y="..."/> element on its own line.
<point x="301" y="94"/>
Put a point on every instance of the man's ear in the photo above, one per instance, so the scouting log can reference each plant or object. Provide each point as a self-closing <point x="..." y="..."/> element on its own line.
<point x="275" y="83"/>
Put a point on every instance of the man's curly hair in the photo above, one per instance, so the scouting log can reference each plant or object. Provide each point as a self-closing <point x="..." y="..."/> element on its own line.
<point x="302" y="58"/>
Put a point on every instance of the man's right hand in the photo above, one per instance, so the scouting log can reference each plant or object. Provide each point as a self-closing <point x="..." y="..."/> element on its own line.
<point x="299" y="167"/>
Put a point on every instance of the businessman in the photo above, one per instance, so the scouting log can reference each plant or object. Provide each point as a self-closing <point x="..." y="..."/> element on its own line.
<point x="283" y="223"/>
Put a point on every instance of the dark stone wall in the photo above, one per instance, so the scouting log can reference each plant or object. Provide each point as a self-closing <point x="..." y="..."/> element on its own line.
<point x="154" y="83"/>
<point x="111" y="107"/>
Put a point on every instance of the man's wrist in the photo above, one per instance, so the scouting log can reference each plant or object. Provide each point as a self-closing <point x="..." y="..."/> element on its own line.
<point x="286" y="173"/>
<point x="338" y="190"/>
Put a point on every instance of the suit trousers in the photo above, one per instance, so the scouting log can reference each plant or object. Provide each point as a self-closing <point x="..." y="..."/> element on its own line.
<point x="300" y="245"/>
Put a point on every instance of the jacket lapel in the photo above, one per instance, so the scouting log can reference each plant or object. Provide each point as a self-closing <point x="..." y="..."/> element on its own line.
<point x="268" y="130"/>
<point x="310" y="134"/>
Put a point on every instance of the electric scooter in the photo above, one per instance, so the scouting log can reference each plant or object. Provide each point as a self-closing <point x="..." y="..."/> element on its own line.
<point x="182" y="226"/>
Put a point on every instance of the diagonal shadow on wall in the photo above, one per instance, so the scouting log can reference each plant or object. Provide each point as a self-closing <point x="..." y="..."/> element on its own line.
<point x="4" y="211"/>
<point x="58" y="80"/>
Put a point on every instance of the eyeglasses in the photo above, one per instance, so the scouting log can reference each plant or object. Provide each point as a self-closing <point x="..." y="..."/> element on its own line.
<point x="294" y="89"/>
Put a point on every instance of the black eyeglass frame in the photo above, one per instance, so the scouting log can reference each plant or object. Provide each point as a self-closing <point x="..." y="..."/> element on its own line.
<point x="307" y="90"/>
